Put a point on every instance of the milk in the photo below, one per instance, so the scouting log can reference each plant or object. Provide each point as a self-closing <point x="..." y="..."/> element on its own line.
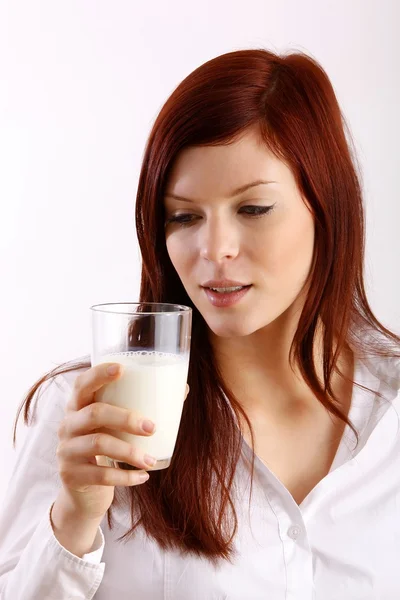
<point x="153" y="386"/>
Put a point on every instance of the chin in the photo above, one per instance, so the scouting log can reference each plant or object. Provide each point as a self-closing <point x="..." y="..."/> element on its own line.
<point x="240" y="321"/>
<point x="231" y="327"/>
<point x="242" y="325"/>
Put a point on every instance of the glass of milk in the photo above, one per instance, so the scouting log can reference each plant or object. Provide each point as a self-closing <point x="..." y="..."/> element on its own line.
<point x="152" y="342"/>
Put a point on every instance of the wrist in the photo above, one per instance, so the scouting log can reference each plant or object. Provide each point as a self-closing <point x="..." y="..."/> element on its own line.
<point x="65" y="507"/>
<point x="75" y="532"/>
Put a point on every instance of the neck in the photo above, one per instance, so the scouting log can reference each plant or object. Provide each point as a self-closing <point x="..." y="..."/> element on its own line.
<point x="256" y="369"/>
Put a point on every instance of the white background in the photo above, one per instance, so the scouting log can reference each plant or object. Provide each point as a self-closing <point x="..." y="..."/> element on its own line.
<point x="81" y="82"/>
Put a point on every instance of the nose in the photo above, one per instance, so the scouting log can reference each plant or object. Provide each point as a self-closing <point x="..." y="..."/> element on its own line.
<point x="219" y="240"/>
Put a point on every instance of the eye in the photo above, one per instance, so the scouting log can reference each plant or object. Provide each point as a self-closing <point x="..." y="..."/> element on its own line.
<point x="256" y="211"/>
<point x="183" y="219"/>
<point x="186" y="219"/>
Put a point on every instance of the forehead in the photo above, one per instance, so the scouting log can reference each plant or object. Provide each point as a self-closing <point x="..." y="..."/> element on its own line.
<point x="214" y="171"/>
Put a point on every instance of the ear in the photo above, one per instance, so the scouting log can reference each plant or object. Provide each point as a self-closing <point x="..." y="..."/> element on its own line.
<point x="187" y="390"/>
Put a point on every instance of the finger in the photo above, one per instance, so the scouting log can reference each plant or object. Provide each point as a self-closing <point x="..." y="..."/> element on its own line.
<point x="88" y="446"/>
<point x="100" y="414"/>
<point x="89" y="382"/>
<point x="84" y="475"/>
<point x="103" y="461"/>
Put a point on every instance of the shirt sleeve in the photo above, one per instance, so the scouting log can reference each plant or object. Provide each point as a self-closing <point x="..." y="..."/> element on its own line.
<point x="33" y="564"/>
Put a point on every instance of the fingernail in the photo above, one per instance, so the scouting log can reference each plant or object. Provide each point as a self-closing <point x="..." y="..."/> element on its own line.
<point x="148" y="426"/>
<point x="113" y="370"/>
<point x="143" y="477"/>
<point x="149" y="460"/>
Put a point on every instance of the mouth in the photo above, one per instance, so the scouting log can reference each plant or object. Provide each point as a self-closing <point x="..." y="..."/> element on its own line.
<point x="226" y="296"/>
<point x="227" y="290"/>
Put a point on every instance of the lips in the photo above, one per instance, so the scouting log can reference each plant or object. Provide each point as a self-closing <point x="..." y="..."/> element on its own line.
<point x="223" y="283"/>
<point x="226" y="299"/>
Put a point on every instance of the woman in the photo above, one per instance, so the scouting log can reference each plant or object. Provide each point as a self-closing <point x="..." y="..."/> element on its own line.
<point x="249" y="209"/>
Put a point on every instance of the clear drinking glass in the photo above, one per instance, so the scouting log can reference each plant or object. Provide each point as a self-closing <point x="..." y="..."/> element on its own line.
<point x="152" y="342"/>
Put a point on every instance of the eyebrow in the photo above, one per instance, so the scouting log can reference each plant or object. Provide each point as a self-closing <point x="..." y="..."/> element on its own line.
<point x="236" y="192"/>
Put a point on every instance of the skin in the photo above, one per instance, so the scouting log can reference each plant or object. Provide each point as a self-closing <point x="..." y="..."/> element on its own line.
<point x="272" y="252"/>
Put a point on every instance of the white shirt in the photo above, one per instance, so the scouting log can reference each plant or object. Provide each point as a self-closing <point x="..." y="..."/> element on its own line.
<point x="341" y="543"/>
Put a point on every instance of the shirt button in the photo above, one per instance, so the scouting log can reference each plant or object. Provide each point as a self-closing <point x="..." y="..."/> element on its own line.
<point x="294" y="531"/>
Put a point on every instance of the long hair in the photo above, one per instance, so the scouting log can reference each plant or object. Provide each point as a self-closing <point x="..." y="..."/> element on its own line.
<point x="290" y="99"/>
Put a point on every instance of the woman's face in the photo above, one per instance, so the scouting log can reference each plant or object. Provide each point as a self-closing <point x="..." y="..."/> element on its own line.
<point x="225" y="227"/>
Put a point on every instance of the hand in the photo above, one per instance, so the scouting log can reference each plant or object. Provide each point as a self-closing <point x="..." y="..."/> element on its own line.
<point x="88" y="487"/>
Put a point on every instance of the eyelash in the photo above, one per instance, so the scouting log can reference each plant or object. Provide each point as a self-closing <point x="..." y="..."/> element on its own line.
<point x="257" y="211"/>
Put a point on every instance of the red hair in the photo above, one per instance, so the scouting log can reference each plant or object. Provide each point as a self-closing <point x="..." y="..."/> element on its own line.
<point x="291" y="100"/>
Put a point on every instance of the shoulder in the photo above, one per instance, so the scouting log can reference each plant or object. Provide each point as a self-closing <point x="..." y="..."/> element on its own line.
<point x="67" y="379"/>
<point x="380" y="357"/>
<point x="384" y="368"/>
<point x="54" y="393"/>
<point x="382" y="373"/>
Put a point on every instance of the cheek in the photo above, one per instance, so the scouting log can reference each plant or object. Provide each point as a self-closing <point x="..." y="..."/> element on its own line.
<point x="179" y="255"/>
<point x="288" y="255"/>
<point x="173" y="252"/>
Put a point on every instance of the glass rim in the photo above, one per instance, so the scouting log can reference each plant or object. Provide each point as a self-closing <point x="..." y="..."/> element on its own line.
<point x="101" y="308"/>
